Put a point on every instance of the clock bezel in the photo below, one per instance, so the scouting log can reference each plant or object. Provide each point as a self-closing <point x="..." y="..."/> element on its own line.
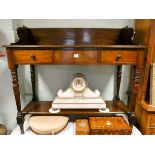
<point x="78" y="75"/>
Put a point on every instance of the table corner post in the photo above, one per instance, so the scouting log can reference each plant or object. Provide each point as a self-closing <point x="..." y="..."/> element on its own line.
<point x="15" y="82"/>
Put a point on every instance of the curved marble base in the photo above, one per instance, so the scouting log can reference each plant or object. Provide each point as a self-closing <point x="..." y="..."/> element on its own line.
<point x="78" y="103"/>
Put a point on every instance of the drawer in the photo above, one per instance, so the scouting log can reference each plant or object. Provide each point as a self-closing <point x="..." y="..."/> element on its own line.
<point x="33" y="56"/>
<point x="152" y="131"/>
<point x="152" y="121"/>
<point x="76" y="57"/>
<point x="118" y="56"/>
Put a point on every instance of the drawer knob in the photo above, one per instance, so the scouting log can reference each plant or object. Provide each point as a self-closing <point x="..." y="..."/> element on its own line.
<point x="76" y="56"/>
<point x="33" y="57"/>
<point x="118" y="57"/>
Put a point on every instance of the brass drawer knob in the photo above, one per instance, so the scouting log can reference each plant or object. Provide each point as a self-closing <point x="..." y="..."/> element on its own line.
<point x="33" y="56"/>
<point x="118" y="57"/>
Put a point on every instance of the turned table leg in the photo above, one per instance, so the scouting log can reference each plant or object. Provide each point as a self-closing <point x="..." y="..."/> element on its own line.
<point x="20" y="117"/>
<point x="135" y="92"/>
<point x="119" y="76"/>
<point x="130" y="88"/>
<point x="32" y="72"/>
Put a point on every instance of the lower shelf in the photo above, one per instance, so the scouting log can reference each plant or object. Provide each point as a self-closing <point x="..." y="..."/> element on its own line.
<point x="42" y="107"/>
<point x="69" y="130"/>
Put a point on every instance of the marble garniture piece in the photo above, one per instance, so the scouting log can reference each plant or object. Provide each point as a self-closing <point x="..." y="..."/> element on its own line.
<point x="83" y="99"/>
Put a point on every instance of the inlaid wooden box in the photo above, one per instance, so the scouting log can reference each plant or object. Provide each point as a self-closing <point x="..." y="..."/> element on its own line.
<point x="82" y="127"/>
<point x="109" y="126"/>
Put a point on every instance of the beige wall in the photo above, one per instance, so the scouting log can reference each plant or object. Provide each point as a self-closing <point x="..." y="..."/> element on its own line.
<point x="78" y="23"/>
<point x="7" y="103"/>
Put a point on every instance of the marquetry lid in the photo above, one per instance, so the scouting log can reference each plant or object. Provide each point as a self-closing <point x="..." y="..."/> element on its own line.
<point x="117" y="123"/>
<point x="82" y="127"/>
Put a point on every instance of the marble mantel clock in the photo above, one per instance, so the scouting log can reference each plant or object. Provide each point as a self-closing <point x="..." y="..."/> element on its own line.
<point x="78" y="96"/>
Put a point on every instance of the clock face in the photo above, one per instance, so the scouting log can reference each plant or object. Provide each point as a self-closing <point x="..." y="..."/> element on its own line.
<point x="78" y="83"/>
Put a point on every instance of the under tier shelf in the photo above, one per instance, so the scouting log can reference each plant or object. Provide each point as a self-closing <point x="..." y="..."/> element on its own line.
<point x="42" y="107"/>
